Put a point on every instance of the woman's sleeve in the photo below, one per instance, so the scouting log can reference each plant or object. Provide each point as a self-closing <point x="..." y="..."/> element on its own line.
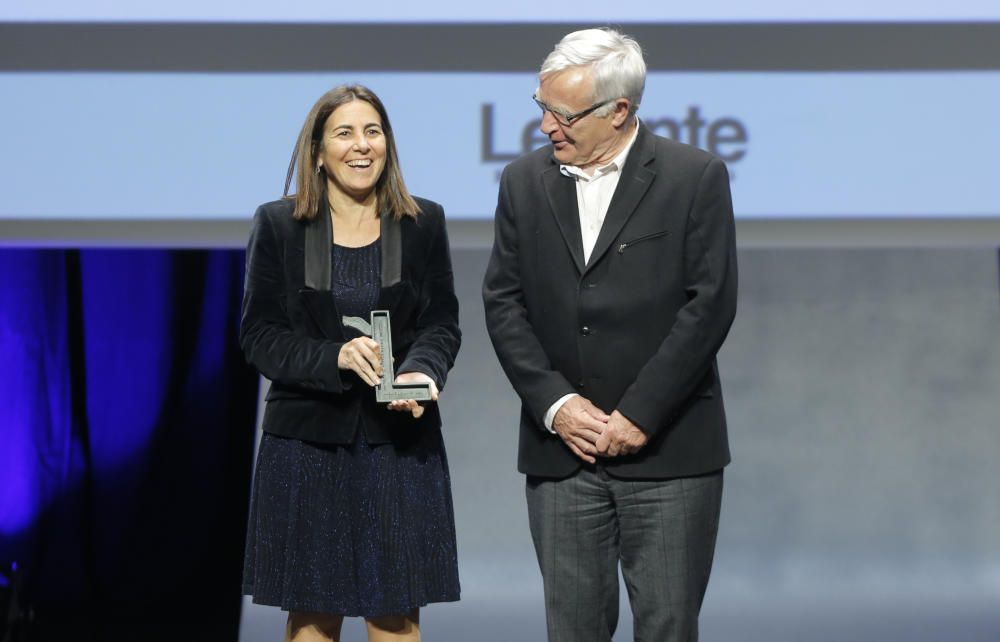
<point x="437" y="335"/>
<point x="269" y="342"/>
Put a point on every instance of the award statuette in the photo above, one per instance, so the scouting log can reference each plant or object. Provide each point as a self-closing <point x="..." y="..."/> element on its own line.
<point x="379" y="330"/>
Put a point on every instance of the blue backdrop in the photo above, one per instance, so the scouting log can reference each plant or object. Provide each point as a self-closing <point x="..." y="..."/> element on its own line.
<point x="126" y="436"/>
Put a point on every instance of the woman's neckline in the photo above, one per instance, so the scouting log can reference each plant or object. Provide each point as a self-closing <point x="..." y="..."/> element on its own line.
<point x="357" y="247"/>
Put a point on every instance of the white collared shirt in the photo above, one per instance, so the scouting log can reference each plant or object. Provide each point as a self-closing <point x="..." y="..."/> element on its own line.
<point x="594" y="192"/>
<point x="593" y="197"/>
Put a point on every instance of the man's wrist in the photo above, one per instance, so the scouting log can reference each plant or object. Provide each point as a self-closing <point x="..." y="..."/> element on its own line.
<point x="550" y="414"/>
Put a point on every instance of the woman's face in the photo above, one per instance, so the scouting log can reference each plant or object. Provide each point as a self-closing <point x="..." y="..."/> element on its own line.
<point x="352" y="150"/>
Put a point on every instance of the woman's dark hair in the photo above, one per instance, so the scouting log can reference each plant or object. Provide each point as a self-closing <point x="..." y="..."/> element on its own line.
<point x="310" y="187"/>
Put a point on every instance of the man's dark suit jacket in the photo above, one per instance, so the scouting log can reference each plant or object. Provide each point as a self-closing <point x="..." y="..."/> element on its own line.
<point x="292" y="332"/>
<point x="635" y="329"/>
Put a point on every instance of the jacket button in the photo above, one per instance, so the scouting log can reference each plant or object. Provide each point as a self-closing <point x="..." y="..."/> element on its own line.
<point x="585" y="330"/>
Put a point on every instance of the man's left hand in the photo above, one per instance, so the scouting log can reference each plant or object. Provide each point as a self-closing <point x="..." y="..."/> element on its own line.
<point x="620" y="437"/>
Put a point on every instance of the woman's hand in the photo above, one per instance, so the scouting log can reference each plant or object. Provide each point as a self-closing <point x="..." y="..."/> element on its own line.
<point x="412" y="405"/>
<point x="362" y="355"/>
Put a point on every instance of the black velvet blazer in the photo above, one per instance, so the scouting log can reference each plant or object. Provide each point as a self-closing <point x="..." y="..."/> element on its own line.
<point x="292" y="333"/>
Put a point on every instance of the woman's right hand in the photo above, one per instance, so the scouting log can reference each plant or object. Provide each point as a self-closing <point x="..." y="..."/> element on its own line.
<point x="362" y="355"/>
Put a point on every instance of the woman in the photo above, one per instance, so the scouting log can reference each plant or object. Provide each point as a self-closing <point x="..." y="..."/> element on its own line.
<point x="351" y="512"/>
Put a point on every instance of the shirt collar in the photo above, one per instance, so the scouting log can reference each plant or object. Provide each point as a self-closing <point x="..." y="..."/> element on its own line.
<point x="616" y="164"/>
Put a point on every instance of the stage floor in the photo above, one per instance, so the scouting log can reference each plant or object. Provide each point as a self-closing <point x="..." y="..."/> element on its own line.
<point x="764" y="617"/>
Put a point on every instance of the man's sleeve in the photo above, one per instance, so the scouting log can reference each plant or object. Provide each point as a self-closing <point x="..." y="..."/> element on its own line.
<point x="520" y="352"/>
<point x="665" y="383"/>
<point x="550" y="415"/>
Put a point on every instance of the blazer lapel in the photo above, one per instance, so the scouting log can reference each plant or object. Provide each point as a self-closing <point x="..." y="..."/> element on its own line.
<point x="392" y="250"/>
<point x="561" y="192"/>
<point x="632" y="186"/>
<point x="392" y="263"/>
<point x="317" y="297"/>
<point x="319" y="237"/>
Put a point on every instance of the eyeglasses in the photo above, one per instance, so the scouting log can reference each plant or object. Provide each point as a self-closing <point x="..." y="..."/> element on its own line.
<point x="568" y="119"/>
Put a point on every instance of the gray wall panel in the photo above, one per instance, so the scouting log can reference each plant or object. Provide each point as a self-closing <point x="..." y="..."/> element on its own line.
<point x="862" y="503"/>
<point x="862" y="391"/>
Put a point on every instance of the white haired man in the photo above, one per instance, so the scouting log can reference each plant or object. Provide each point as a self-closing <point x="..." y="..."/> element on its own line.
<point x="610" y="289"/>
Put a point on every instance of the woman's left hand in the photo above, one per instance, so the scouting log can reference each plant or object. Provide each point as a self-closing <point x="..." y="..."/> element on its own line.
<point x="411" y="405"/>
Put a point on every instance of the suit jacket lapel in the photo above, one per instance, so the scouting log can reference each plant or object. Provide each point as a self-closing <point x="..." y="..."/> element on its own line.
<point x="392" y="262"/>
<point x="632" y="186"/>
<point x="561" y="192"/>
<point x="317" y="296"/>
<point x="318" y="268"/>
<point x="319" y="237"/>
<point x="392" y="250"/>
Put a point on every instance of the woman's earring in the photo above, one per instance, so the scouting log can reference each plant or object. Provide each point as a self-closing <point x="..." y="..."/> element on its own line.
<point x="318" y="167"/>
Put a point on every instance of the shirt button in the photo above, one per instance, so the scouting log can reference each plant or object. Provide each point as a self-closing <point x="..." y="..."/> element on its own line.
<point x="585" y="330"/>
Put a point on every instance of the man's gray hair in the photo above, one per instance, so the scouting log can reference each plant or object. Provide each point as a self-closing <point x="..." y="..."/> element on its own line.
<point x="614" y="58"/>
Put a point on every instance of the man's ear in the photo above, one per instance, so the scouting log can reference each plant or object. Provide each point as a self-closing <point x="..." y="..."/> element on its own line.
<point x="623" y="107"/>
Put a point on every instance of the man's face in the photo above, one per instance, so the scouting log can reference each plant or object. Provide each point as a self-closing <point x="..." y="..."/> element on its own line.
<point x="587" y="141"/>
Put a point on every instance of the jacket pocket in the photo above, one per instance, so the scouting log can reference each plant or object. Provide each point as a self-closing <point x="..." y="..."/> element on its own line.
<point x="624" y="245"/>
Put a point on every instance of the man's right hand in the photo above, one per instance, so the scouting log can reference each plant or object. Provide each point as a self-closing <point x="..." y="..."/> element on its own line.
<point x="579" y="423"/>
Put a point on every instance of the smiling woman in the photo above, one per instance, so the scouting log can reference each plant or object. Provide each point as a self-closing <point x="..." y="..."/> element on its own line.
<point x="351" y="511"/>
<point x="347" y="123"/>
<point x="352" y="150"/>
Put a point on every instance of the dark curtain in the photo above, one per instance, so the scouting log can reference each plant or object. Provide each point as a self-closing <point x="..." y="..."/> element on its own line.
<point x="126" y="437"/>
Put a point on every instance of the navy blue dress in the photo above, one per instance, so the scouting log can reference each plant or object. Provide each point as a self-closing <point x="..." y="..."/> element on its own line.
<point x="354" y="530"/>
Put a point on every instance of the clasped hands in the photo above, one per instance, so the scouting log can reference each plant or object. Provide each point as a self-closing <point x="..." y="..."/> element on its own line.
<point x="590" y="432"/>
<point x="363" y="356"/>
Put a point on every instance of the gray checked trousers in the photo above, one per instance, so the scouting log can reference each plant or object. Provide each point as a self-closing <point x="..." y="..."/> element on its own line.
<point x="662" y="532"/>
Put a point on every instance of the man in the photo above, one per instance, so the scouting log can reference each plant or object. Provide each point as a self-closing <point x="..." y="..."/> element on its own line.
<point x="611" y="286"/>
